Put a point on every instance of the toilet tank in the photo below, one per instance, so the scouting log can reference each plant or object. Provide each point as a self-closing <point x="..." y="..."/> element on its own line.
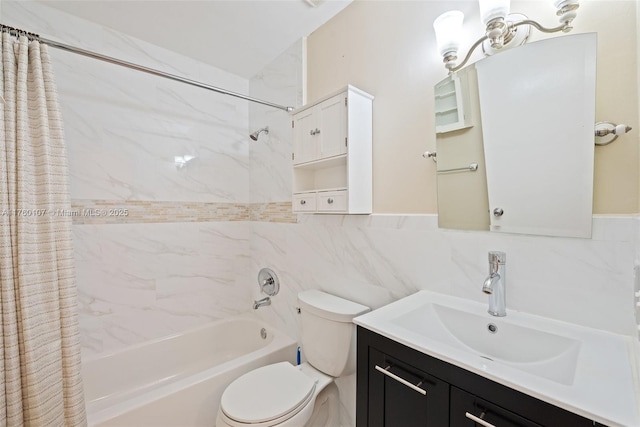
<point x="328" y="332"/>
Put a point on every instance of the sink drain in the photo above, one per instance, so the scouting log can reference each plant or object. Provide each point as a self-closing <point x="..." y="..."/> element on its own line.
<point x="492" y="328"/>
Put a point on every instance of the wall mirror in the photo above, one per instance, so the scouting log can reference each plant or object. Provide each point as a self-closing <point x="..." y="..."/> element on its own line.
<point x="515" y="140"/>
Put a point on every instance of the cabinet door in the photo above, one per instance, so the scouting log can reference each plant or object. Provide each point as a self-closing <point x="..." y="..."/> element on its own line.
<point x="305" y="139"/>
<point x="395" y="398"/>
<point x="466" y="409"/>
<point x="332" y="125"/>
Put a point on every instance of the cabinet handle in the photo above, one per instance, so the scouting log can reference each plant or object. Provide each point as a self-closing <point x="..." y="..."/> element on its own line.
<point x="303" y="202"/>
<point x="478" y="420"/>
<point x="401" y="380"/>
<point x="330" y="200"/>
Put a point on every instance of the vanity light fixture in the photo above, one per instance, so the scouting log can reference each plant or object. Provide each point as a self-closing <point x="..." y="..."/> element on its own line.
<point x="503" y="30"/>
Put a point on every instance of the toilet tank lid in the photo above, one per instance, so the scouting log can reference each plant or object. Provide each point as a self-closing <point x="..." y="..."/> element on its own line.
<point x="330" y="306"/>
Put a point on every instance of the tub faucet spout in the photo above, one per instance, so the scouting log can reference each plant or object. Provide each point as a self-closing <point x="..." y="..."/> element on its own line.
<point x="494" y="285"/>
<point x="259" y="303"/>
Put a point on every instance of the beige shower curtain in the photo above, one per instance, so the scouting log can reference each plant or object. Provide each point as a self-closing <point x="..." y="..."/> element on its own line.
<point x="40" y="351"/>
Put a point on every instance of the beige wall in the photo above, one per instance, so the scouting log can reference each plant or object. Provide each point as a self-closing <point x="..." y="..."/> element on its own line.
<point x="387" y="48"/>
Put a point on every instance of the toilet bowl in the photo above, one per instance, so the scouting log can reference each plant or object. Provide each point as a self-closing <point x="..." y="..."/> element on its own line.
<point x="284" y="395"/>
<point x="280" y="395"/>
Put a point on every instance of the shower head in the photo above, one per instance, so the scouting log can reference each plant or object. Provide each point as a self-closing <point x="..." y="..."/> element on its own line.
<point x="257" y="133"/>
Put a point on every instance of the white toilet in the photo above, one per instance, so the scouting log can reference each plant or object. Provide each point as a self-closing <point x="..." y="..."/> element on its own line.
<point x="285" y="395"/>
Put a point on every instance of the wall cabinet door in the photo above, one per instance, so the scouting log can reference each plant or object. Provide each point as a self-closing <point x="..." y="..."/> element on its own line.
<point x="320" y="132"/>
<point x="305" y="146"/>
<point x="332" y="126"/>
<point x="396" y="395"/>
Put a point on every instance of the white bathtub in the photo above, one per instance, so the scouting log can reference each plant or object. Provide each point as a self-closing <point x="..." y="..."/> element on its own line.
<point x="178" y="381"/>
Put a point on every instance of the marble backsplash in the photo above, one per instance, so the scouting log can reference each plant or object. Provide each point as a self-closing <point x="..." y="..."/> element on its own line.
<point x="377" y="259"/>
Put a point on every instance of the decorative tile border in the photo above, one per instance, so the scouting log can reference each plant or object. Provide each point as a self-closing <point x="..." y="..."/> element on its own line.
<point x="138" y="211"/>
<point x="272" y="212"/>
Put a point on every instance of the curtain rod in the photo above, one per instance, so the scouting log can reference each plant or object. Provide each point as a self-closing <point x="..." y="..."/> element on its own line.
<point x="32" y="36"/>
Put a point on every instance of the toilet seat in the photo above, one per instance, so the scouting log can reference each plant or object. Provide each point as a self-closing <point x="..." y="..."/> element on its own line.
<point x="267" y="396"/>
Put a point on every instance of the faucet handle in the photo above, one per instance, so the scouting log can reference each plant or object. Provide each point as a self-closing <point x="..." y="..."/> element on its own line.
<point x="497" y="257"/>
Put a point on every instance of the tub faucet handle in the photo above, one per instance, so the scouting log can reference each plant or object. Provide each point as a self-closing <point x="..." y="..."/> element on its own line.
<point x="268" y="282"/>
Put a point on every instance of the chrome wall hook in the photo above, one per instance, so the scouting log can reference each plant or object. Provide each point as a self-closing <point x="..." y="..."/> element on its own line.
<point x="607" y="132"/>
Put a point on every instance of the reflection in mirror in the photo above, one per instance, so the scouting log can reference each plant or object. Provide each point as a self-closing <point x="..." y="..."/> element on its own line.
<point x="462" y="194"/>
<point x="526" y="117"/>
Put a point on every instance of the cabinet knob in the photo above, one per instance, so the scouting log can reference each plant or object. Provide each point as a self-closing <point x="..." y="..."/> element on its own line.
<point x="303" y="202"/>
<point x="498" y="212"/>
<point x="317" y="131"/>
<point x="312" y="132"/>
<point x="330" y="200"/>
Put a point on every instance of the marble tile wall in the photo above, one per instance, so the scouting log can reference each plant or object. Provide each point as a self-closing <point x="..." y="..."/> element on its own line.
<point x="270" y="157"/>
<point x="175" y="157"/>
<point x="377" y="259"/>
<point x="143" y="281"/>
<point x="380" y="258"/>
<point x="125" y="128"/>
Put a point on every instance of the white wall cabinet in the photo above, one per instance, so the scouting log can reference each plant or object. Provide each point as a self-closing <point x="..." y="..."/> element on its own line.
<point x="332" y="154"/>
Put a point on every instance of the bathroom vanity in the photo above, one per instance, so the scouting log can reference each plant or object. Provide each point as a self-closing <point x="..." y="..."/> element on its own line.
<point x="435" y="360"/>
<point x="453" y="396"/>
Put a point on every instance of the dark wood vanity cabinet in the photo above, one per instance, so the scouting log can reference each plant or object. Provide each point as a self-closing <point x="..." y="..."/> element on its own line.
<point x="395" y="404"/>
<point x="419" y="390"/>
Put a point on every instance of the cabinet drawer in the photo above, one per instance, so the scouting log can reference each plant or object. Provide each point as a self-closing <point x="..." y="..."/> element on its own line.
<point x="332" y="201"/>
<point x="304" y="202"/>
<point x="467" y="409"/>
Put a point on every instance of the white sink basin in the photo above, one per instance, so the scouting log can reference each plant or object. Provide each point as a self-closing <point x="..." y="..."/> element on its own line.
<point x="586" y="371"/>
<point x="540" y="353"/>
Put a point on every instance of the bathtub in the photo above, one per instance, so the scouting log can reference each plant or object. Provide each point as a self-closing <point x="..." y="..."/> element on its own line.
<point x="178" y="381"/>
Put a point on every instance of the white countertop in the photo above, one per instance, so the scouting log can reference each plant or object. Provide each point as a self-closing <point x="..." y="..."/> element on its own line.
<point x="604" y="388"/>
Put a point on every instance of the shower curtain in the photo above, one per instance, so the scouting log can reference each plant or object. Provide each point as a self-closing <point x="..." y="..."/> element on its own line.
<point x="40" y="350"/>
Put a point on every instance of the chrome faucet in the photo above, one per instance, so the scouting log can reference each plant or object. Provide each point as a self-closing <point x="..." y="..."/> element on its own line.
<point x="259" y="303"/>
<point x="494" y="284"/>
